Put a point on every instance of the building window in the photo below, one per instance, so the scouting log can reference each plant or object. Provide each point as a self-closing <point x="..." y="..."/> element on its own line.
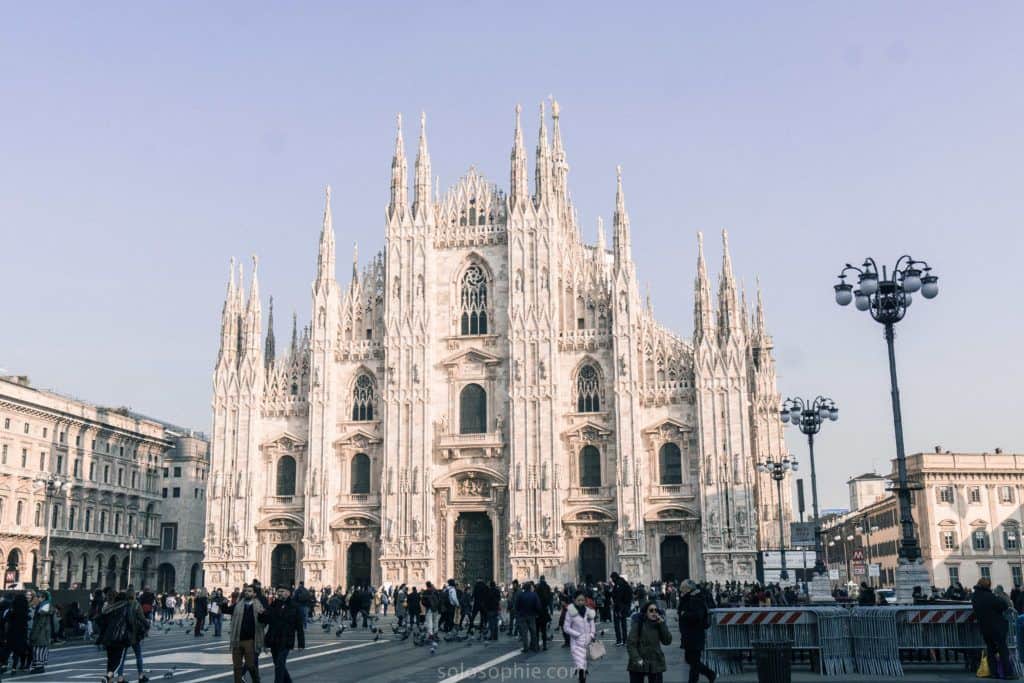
<point x="63" y="437"/>
<point x="26" y="427"/>
<point x="117" y="524"/>
<point x="177" y="471"/>
<point x="176" y="492"/>
<point x="78" y="439"/>
<point x="42" y="461"/>
<point x="285" y="476"/>
<point x="131" y="524"/>
<point x="472" y="410"/>
<point x="24" y="457"/>
<point x="946" y="494"/>
<point x="88" y="520"/>
<point x="77" y="468"/>
<point x="39" y="514"/>
<point x="135" y="478"/>
<point x="1006" y="495"/>
<point x="45" y="432"/>
<point x="588" y="390"/>
<point x="979" y="539"/>
<point x="103" y="521"/>
<point x="92" y="471"/>
<point x="167" y="472"/>
<point x="949" y="540"/>
<point x="106" y="474"/>
<point x="974" y="494"/>
<point x="360" y="473"/>
<point x="590" y="467"/>
<point x="4" y="450"/>
<point x="1015" y="570"/>
<point x="670" y="464"/>
<point x="1011" y="539"/>
<point x="19" y="512"/>
<point x="7" y="423"/>
<point x="986" y="571"/>
<point x="55" y="517"/>
<point x="165" y="492"/>
<point x="169" y="536"/>
<point x="474" y="301"/>
<point x="120" y="476"/>
<point x="362" y="399"/>
<point x="954" y="575"/>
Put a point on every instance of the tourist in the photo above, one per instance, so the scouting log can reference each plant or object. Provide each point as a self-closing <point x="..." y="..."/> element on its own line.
<point x="989" y="610"/>
<point x="694" y="619"/>
<point x="492" y="606"/>
<point x="138" y="626"/>
<point x="15" y="629"/>
<point x="115" y="628"/>
<point x="580" y="629"/>
<point x="40" y="634"/>
<point x="415" y="608"/>
<point x="622" y="600"/>
<point x="431" y="600"/>
<point x="544" y="617"/>
<point x="246" y="636"/>
<point x="401" y="610"/>
<point x="284" y="626"/>
<point x="647" y="634"/>
<point x="147" y="601"/>
<point x="527" y="610"/>
<point x="200" y="607"/>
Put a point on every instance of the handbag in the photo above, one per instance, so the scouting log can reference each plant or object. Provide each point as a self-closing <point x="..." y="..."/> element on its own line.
<point x="595" y="650"/>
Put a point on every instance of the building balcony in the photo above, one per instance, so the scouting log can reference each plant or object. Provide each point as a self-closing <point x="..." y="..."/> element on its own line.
<point x="454" y="446"/>
<point x="360" y="501"/>
<point x="591" y="494"/>
<point x="281" y="503"/>
<point x="664" y="492"/>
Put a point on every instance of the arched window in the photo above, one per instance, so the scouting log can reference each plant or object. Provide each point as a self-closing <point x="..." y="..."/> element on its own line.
<point x="472" y="410"/>
<point x="590" y="467"/>
<point x="362" y="399"/>
<point x="286" y="476"/>
<point x="670" y="464"/>
<point x="361" y="473"/>
<point x="474" y="301"/>
<point x="588" y="390"/>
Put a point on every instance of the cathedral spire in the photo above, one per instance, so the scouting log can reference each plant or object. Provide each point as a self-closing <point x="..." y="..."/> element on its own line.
<point x="325" y="257"/>
<point x="760" y="328"/>
<point x="268" y="348"/>
<point x="601" y="247"/>
<point x="252" y="328"/>
<point x="518" y="191"/>
<point x="229" y="319"/>
<point x="703" y="324"/>
<point x="421" y="202"/>
<point x="295" y="333"/>
<point x="399" y="182"/>
<point x="542" y="172"/>
<point x="560" y="168"/>
<point x="729" y="317"/>
<point x="620" y="223"/>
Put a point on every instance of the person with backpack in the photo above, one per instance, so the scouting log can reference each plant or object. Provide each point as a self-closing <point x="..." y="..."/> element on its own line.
<point x="284" y="626"/>
<point x="138" y="629"/>
<point x="115" y="628"/>
<point x="647" y="633"/>
<point x="694" y="620"/>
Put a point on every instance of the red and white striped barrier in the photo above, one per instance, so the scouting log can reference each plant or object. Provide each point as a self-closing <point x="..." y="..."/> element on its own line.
<point x="938" y="616"/>
<point x="761" y="616"/>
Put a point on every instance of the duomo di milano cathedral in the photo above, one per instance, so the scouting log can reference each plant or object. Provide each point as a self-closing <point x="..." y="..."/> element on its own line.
<point x="490" y="397"/>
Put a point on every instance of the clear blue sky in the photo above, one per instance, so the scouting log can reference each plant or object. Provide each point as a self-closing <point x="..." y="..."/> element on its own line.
<point x="143" y="144"/>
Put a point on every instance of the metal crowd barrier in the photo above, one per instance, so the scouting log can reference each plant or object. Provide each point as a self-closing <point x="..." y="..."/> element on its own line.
<point x="823" y="630"/>
<point x="880" y="633"/>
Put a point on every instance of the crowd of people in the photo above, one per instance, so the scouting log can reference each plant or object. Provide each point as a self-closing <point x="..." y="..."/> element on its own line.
<point x="534" y="612"/>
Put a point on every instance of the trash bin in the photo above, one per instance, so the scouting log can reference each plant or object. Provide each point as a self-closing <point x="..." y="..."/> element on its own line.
<point x="773" y="659"/>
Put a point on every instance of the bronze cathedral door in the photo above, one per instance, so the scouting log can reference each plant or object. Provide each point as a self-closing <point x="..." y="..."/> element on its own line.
<point x="473" y="548"/>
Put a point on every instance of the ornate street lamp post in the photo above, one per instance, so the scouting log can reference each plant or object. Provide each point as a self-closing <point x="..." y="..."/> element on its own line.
<point x="777" y="469"/>
<point x="51" y="487"/>
<point x="807" y="416"/>
<point x="887" y="295"/>
<point x="130" y="547"/>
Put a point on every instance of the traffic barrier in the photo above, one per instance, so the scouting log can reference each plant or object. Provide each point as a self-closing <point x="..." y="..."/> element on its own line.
<point x="880" y="633"/>
<point x="825" y="631"/>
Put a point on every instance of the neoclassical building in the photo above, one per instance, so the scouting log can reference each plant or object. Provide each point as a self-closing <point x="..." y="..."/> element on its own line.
<point x="490" y="396"/>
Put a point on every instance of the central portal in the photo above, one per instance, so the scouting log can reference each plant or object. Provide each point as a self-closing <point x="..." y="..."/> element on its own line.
<point x="474" y="548"/>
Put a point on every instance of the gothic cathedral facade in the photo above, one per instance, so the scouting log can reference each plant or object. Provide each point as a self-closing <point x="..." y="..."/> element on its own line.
<point x="490" y="397"/>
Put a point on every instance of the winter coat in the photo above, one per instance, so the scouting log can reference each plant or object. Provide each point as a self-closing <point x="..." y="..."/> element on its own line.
<point x="115" y="623"/>
<point x="622" y="596"/>
<point x="693" y="620"/>
<point x="236" y="624"/>
<point x="41" y="632"/>
<point x="15" y="625"/>
<point x="284" y="625"/>
<point x="400" y="608"/>
<point x="644" y="646"/>
<point x="201" y="606"/>
<point x="988" y="610"/>
<point x="580" y="629"/>
<point x="544" y="595"/>
<point x="527" y="605"/>
<point x="413" y="601"/>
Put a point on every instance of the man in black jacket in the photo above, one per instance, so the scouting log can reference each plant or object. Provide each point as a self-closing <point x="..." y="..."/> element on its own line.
<point x="284" y="625"/>
<point x="622" y="600"/>
<point x="693" y="620"/>
<point x="544" y="618"/>
<point x="492" y="606"/>
<point x="989" y="610"/>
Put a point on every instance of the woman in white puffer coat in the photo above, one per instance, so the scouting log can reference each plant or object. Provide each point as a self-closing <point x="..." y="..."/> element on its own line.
<point x="579" y="626"/>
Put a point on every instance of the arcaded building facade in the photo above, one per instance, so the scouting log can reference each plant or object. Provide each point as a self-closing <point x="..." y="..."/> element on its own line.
<point x="490" y="397"/>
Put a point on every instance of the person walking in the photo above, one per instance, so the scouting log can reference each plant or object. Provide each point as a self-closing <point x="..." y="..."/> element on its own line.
<point x="15" y="625"/>
<point x="647" y="634"/>
<point x="246" y="634"/>
<point x="544" y="617"/>
<point x="989" y="611"/>
<point x="622" y="600"/>
<point x="200" y="607"/>
<point x="40" y="634"/>
<point x="527" y="608"/>
<point x="414" y="601"/>
<point x="431" y="606"/>
<point x="400" y="606"/>
<point x="580" y="629"/>
<point x="492" y="605"/>
<point x="694" y="619"/>
<point x="115" y="629"/>
<point x="866" y="595"/>
<point x="138" y="626"/>
<point x="284" y="626"/>
<point x="216" y="608"/>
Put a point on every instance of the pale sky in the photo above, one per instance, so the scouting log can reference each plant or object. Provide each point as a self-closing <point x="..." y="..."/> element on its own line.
<point x="143" y="144"/>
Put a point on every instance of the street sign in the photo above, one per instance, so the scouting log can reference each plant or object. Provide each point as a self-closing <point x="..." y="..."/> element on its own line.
<point x="801" y="534"/>
<point x="833" y="574"/>
<point x="874" y="570"/>
<point x="859" y="569"/>
<point x="858" y="555"/>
